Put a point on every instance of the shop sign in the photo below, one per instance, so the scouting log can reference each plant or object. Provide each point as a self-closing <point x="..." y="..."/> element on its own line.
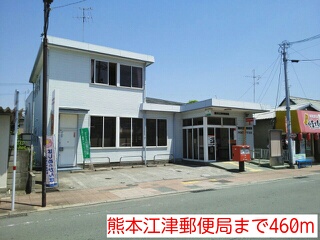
<point x="309" y="121"/>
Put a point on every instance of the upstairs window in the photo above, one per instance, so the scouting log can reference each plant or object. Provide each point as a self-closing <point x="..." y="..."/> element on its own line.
<point x="103" y="72"/>
<point x="130" y="76"/>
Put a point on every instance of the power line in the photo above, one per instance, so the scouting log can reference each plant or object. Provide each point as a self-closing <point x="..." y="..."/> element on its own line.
<point x="269" y="79"/>
<point x="66" y="5"/>
<point x="304" y="40"/>
<point x="12" y="84"/>
<point x="298" y="81"/>
<point x="305" y="57"/>
<point x="305" y="60"/>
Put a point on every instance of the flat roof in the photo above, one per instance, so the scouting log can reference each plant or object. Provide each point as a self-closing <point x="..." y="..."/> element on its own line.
<point x="215" y="104"/>
<point x="86" y="47"/>
<point x="67" y="43"/>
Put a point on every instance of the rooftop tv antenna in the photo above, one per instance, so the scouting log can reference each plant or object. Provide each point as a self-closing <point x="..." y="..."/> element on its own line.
<point x="255" y="82"/>
<point x="86" y="16"/>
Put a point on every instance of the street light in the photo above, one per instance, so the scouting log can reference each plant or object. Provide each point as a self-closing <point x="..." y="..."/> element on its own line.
<point x="44" y="100"/>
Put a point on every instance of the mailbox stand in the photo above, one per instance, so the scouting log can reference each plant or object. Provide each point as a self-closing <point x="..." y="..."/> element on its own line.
<point x="241" y="153"/>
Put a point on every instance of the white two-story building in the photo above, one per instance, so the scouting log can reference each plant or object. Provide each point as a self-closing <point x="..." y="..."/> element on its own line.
<point x="103" y="89"/>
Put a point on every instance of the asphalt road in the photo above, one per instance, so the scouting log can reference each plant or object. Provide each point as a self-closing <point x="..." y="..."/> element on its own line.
<point x="297" y="195"/>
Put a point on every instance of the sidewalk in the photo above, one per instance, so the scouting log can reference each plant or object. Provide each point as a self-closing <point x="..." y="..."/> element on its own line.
<point x="86" y="187"/>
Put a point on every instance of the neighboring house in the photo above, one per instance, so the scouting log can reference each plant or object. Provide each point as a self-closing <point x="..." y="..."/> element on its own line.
<point x="305" y="124"/>
<point x="103" y="89"/>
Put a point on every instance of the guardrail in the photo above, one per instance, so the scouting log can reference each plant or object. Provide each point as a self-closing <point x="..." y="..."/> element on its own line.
<point x="261" y="153"/>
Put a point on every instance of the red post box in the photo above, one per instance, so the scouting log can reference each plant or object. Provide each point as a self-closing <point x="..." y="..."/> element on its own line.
<point x="241" y="153"/>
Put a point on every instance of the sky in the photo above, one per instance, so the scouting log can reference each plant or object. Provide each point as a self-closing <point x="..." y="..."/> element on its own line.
<point x="202" y="48"/>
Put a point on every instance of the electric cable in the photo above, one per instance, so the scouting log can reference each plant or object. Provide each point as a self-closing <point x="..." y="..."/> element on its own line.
<point x="66" y="5"/>
<point x="279" y="86"/>
<point x="305" y="40"/>
<point x="265" y="88"/>
<point x="305" y="58"/>
<point x="305" y="95"/>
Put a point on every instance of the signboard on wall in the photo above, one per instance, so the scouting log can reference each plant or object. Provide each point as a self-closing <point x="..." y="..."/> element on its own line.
<point x="309" y="121"/>
<point x="301" y="121"/>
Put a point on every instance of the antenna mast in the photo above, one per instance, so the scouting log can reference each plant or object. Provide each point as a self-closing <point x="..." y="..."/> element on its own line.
<point x="86" y="15"/>
<point x="255" y="82"/>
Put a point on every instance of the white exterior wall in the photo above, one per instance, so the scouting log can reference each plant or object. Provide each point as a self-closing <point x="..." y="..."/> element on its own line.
<point x="70" y="75"/>
<point x="178" y="135"/>
<point x="37" y="119"/>
<point x="162" y="152"/>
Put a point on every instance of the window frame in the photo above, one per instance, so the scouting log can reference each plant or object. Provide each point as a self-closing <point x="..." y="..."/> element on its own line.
<point x="123" y="82"/>
<point x="158" y="135"/>
<point x="101" y="142"/>
<point x="111" y="72"/>
<point x="133" y="138"/>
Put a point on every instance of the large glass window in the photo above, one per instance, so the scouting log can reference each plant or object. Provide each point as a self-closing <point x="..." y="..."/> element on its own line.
<point x="156" y="132"/>
<point x="103" y="72"/>
<point x="130" y="76"/>
<point x="151" y="132"/>
<point x="103" y="131"/>
<point x="214" y="120"/>
<point x="96" y="131"/>
<point x="198" y="121"/>
<point x="229" y="121"/>
<point x="131" y="132"/>
<point x="109" y="132"/>
<point x="137" y="77"/>
<point x="125" y="76"/>
<point x="162" y="132"/>
<point x="185" y="143"/>
<point x="112" y="74"/>
<point x="136" y="132"/>
<point x="125" y="132"/>
<point x="187" y="122"/>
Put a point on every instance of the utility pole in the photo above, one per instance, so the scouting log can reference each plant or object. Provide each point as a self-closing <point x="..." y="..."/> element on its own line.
<point x="14" y="168"/>
<point x="255" y="82"/>
<point x="44" y="100"/>
<point x="284" y="46"/>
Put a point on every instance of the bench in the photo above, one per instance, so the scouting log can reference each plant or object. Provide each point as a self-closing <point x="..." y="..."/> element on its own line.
<point x="304" y="162"/>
